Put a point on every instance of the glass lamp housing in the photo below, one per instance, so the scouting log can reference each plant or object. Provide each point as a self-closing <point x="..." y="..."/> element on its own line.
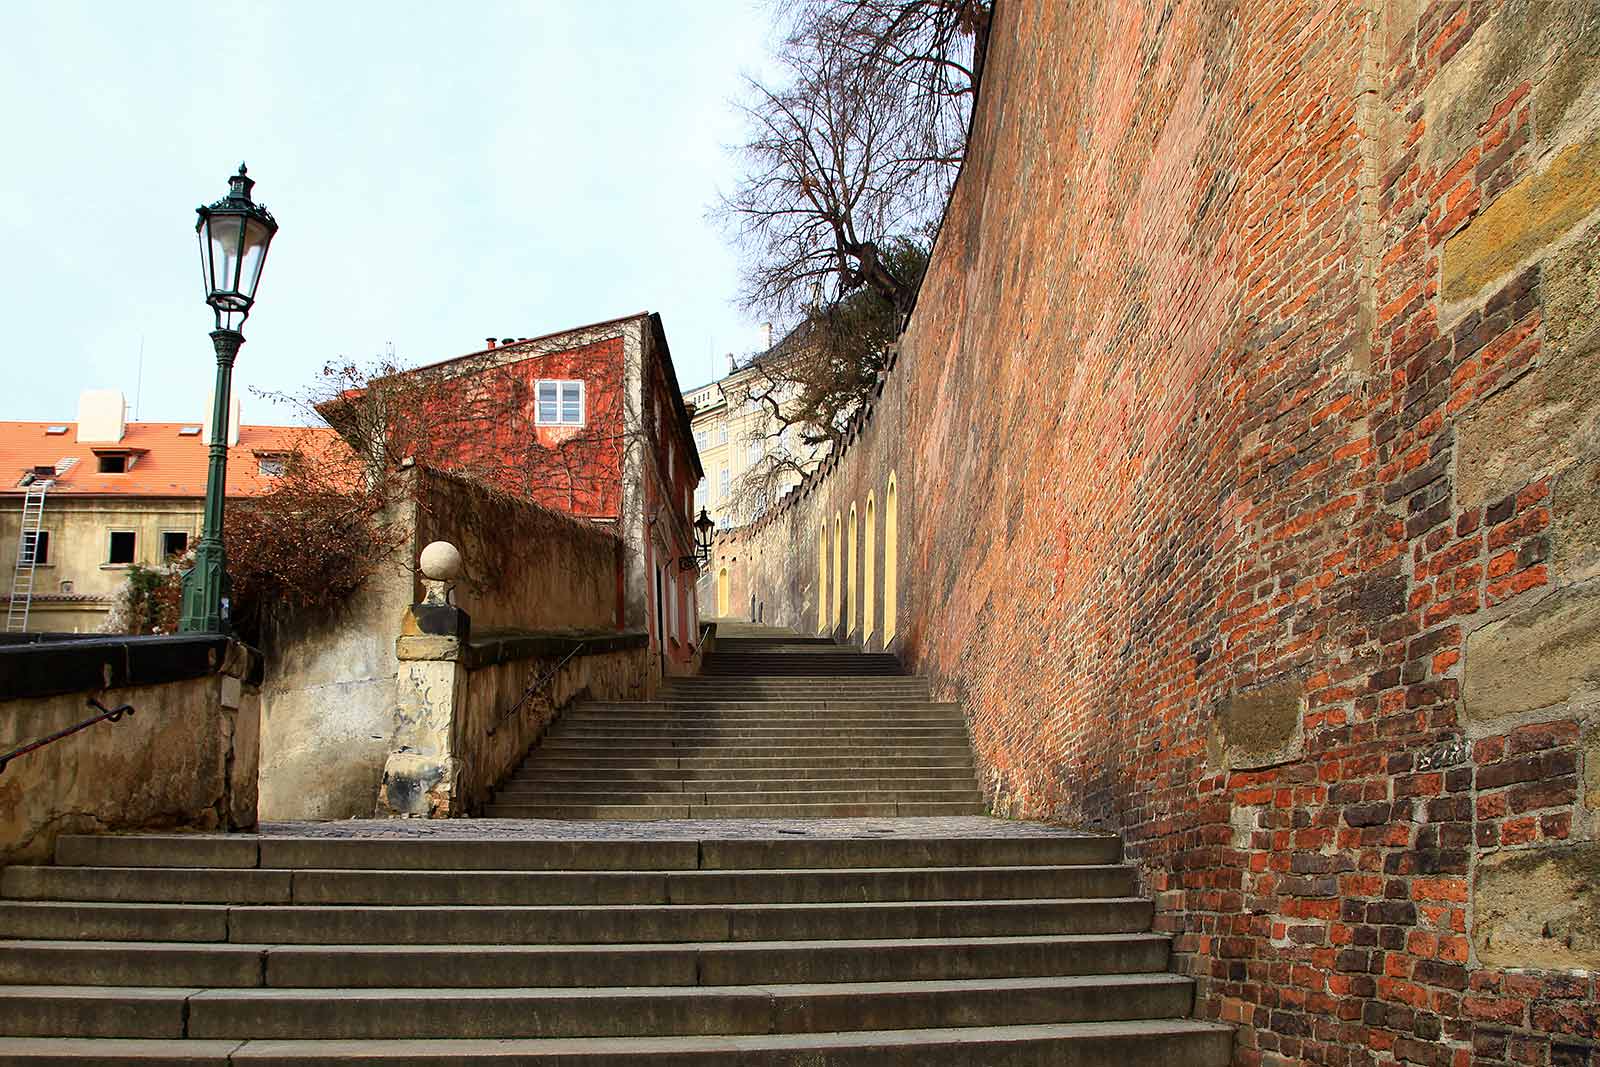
<point x="234" y="235"/>
<point x="703" y="527"/>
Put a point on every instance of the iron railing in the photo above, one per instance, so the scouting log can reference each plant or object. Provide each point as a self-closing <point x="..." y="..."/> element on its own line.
<point x="106" y="715"/>
<point x="538" y="684"/>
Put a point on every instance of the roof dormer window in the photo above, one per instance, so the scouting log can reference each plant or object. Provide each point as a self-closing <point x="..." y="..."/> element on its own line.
<point x="117" y="460"/>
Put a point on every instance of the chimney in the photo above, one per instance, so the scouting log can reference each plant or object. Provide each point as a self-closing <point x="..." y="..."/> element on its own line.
<point x="488" y="342"/>
<point x="101" y="416"/>
<point x="766" y="337"/>
<point x="733" y="364"/>
<point x="508" y="340"/>
<point x="233" y="419"/>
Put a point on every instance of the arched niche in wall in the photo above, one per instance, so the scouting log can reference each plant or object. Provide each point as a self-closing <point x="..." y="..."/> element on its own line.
<point x="852" y="597"/>
<point x="869" y="563"/>
<point x="822" y="576"/>
<point x="838" y="570"/>
<point x="891" y="557"/>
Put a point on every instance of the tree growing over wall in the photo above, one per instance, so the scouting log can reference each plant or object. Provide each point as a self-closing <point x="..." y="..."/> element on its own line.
<point x="853" y="148"/>
<point x="808" y="388"/>
<point x="852" y="152"/>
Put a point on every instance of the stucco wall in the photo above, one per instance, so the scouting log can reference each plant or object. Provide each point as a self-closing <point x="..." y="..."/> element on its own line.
<point x="1247" y="485"/>
<point x="186" y="757"/>
<point x="79" y="530"/>
<point x="526" y="567"/>
<point x="328" y="701"/>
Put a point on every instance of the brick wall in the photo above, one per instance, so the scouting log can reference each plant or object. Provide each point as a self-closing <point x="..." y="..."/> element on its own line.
<point x="1247" y="486"/>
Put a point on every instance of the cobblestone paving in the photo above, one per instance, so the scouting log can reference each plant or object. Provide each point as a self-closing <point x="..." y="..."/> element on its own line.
<point x="668" y="829"/>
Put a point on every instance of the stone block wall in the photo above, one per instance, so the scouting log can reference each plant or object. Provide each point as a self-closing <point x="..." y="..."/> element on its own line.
<point x="186" y="756"/>
<point x="329" y="721"/>
<point x="527" y="567"/>
<point x="1247" y="480"/>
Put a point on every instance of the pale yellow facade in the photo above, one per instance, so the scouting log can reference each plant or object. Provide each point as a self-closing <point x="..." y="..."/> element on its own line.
<point x="733" y="435"/>
<point x="72" y="589"/>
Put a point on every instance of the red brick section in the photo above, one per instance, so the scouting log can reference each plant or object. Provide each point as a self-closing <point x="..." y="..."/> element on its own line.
<point x="1176" y="416"/>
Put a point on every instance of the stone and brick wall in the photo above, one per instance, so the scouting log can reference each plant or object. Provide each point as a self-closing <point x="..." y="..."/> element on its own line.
<point x="185" y="756"/>
<point x="329" y="715"/>
<point x="1249" y="498"/>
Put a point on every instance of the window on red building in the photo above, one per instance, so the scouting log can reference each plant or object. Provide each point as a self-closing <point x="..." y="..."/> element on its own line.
<point x="560" y="403"/>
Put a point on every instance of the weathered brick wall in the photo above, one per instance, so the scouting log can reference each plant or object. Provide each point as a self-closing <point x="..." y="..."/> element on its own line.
<point x="1248" y="478"/>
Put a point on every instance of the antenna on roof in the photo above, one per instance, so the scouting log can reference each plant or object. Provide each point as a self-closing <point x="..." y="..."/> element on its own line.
<point x="138" y="383"/>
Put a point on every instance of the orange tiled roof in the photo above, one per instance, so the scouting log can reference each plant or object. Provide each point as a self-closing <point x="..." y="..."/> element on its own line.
<point x="164" y="463"/>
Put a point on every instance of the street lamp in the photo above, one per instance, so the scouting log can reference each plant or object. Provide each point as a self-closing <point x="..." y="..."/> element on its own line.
<point x="234" y="234"/>
<point x="703" y="526"/>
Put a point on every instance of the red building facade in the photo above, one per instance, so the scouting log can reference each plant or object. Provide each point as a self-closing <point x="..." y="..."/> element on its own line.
<point x="589" y="421"/>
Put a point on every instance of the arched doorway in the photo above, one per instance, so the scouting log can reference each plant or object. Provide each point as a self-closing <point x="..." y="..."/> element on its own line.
<point x="724" y="593"/>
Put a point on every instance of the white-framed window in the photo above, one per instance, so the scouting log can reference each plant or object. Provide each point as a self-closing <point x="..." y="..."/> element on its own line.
<point x="700" y="493"/>
<point x="722" y="483"/>
<point x="560" y="402"/>
<point x="701" y="439"/>
<point x="722" y="434"/>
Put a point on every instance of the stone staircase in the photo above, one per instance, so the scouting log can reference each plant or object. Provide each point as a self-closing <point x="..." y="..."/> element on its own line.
<point x="777" y="726"/>
<point x="952" y="941"/>
<point x="797" y="952"/>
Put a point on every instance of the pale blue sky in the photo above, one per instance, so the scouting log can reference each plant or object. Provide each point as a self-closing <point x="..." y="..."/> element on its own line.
<point x="441" y="173"/>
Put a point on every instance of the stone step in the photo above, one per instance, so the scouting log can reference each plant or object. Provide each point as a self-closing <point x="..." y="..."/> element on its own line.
<point x="528" y="887"/>
<point x="803" y="808"/>
<point x="866" y="686"/>
<point x="746" y="714"/>
<point x="889" y="707"/>
<point x="587" y="924"/>
<point x="1132" y="1043"/>
<point x="145" y="963"/>
<point x="683" y="853"/>
<point x="405" y="1012"/>
<point x="739" y="747"/>
<point x="710" y="775"/>
<point x="574" y="785"/>
<point x="585" y="796"/>
<point x="542" y="759"/>
<point x="796" y="734"/>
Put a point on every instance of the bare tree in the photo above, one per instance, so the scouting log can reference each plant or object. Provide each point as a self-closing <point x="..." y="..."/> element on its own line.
<point x="857" y="148"/>
<point x="808" y="388"/>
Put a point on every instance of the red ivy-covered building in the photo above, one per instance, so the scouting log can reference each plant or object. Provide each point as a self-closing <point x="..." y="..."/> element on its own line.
<point x="589" y="421"/>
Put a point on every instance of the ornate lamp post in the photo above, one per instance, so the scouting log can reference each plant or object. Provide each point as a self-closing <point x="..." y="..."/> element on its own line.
<point x="234" y="235"/>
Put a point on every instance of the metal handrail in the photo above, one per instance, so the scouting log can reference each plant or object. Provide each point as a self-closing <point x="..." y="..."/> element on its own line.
<point x="539" y="683"/>
<point x="106" y="714"/>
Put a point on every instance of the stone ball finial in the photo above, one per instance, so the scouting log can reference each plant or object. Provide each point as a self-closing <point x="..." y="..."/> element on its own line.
<point x="440" y="561"/>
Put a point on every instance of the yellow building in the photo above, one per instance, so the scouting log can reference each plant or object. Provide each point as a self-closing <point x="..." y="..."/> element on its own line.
<point x="109" y="494"/>
<point x="750" y="460"/>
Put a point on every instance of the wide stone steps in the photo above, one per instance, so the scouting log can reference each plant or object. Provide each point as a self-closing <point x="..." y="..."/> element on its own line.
<point x="1133" y="1043"/>
<point x="566" y="924"/>
<point x="581" y="785"/>
<point x="787" y="944"/>
<point x="547" y="1012"/>
<point x="810" y="951"/>
<point x="806" y="728"/>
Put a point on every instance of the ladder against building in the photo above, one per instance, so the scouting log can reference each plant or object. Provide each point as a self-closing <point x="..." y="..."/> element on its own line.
<point x="27" y="557"/>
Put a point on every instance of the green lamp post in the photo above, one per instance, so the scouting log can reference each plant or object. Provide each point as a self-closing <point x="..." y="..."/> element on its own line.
<point x="234" y="234"/>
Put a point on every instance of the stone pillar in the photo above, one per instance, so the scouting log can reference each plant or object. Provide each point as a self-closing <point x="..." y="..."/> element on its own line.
<point x="420" y="775"/>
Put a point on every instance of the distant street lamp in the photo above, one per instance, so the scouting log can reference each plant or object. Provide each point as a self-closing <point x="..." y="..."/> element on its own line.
<point x="234" y="235"/>
<point x="703" y="526"/>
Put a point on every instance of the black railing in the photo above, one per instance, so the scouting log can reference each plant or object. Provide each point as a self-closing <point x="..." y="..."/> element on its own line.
<point x="106" y="715"/>
<point x="538" y="683"/>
